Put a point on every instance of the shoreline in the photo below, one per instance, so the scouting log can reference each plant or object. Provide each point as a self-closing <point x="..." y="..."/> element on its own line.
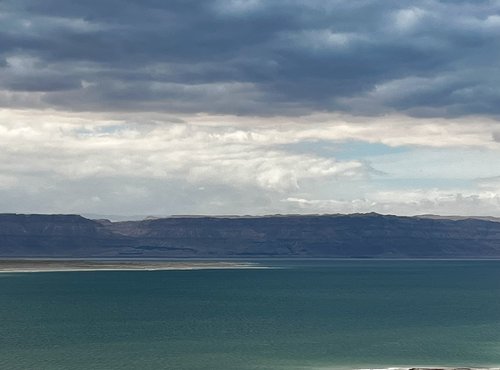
<point x="25" y="266"/>
<point x="434" y="368"/>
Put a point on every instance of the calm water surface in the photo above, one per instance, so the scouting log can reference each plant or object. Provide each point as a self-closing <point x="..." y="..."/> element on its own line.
<point x="302" y="315"/>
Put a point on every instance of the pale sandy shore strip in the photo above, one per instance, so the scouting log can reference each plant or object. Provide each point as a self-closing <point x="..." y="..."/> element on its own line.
<point x="69" y="266"/>
<point x="432" y="368"/>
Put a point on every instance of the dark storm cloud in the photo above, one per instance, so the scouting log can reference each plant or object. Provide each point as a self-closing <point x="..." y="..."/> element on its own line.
<point x="436" y="58"/>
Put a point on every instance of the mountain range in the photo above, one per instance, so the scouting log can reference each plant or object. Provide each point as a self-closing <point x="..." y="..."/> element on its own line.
<point x="288" y="236"/>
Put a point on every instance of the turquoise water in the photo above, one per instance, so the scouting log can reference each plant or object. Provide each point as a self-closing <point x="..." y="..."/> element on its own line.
<point x="302" y="315"/>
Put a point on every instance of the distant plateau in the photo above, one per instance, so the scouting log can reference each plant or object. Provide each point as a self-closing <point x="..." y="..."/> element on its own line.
<point x="294" y="236"/>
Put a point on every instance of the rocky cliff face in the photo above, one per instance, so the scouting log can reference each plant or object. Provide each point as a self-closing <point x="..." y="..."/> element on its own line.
<point x="53" y="235"/>
<point x="358" y="236"/>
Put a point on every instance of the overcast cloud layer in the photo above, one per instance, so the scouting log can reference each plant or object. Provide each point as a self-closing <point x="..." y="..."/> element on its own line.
<point x="248" y="106"/>
<point x="437" y="58"/>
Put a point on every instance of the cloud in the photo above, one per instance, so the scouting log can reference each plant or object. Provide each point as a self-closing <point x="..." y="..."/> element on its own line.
<point x="249" y="106"/>
<point x="410" y="202"/>
<point x="72" y="147"/>
<point x="138" y="163"/>
<point x="491" y="184"/>
<point x="496" y="136"/>
<point x="77" y="162"/>
<point x="249" y="57"/>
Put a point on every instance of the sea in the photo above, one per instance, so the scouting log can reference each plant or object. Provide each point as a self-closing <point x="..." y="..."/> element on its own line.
<point x="307" y="314"/>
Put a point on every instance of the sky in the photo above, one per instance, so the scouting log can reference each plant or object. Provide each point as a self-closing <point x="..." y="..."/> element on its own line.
<point x="153" y="107"/>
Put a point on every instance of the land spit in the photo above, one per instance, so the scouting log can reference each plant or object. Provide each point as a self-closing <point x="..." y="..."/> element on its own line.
<point x="79" y="265"/>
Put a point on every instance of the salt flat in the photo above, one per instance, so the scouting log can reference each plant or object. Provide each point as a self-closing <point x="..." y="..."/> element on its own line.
<point x="79" y="265"/>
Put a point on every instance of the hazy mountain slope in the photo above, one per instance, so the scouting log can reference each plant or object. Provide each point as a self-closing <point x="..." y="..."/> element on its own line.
<point x="359" y="235"/>
<point x="53" y="235"/>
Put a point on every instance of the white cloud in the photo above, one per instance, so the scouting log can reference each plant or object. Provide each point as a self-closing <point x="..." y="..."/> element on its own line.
<point x="237" y="7"/>
<point x="393" y="130"/>
<point x="67" y="146"/>
<point x="319" y="40"/>
<point x="491" y="184"/>
<point x="407" y="19"/>
<point x="407" y="202"/>
<point x="75" y="162"/>
<point x="7" y="181"/>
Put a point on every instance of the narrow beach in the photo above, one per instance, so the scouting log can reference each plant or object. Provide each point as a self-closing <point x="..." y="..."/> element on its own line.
<point x="11" y="266"/>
